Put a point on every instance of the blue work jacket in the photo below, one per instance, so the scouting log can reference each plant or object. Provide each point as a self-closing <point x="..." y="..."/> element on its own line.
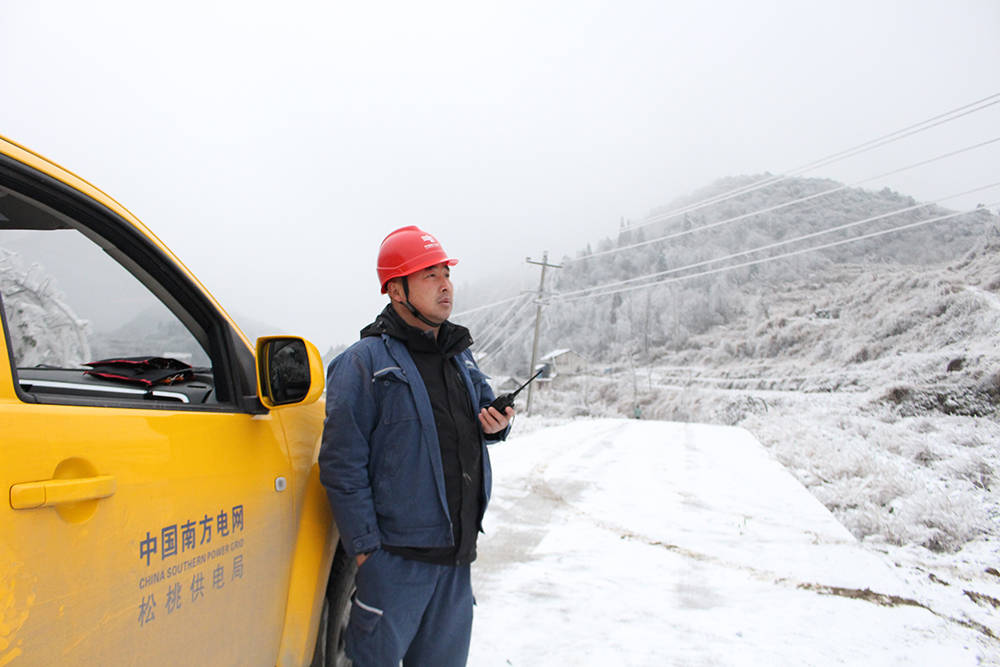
<point x="380" y="460"/>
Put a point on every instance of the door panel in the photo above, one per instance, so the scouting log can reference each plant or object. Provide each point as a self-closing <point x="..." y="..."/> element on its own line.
<point x="184" y="562"/>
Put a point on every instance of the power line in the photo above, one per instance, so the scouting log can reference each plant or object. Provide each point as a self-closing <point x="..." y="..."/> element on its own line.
<point x="775" y="257"/>
<point x="497" y="327"/>
<point x="770" y="209"/>
<point x="508" y="341"/>
<point x="502" y="324"/>
<point x="494" y="331"/>
<point x="878" y="142"/>
<point x="771" y="246"/>
<point x="939" y="119"/>
<point x="490" y="322"/>
<point x="484" y="307"/>
<point x="581" y="294"/>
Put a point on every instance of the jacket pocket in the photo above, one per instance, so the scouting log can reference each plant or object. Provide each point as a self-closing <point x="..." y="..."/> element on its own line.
<point x="365" y="617"/>
<point x="392" y="391"/>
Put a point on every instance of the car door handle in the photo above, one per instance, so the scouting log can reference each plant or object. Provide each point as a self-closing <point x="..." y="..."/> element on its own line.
<point x="49" y="492"/>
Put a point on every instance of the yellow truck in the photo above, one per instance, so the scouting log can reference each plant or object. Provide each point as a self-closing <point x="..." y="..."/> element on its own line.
<point x="164" y="503"/>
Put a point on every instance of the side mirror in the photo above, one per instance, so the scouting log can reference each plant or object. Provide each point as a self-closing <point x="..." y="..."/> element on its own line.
<point x="289" y="371"/>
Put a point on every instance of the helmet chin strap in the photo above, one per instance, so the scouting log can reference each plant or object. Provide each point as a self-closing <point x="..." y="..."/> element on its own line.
<point x="413" y="309"/>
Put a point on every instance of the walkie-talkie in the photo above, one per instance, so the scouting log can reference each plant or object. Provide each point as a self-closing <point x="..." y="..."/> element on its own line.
<point x="504" y="401"/>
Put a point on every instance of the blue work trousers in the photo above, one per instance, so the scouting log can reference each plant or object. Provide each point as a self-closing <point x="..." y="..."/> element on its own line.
<point x="406" y="610"/>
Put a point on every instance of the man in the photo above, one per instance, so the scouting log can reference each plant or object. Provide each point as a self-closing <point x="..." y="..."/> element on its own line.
<point x="405" y="465"/>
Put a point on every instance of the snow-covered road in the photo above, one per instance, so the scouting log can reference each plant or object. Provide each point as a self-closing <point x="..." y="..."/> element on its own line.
<point x="615" y="542"/>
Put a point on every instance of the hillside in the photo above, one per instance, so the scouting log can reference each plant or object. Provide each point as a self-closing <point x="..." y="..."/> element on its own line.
<point x="653" y="321"/>
<point x="846" y="378"/>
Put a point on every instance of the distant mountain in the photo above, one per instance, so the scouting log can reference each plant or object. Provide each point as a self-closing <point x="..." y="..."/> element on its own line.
<point x="155" y="330"/>
<point x="652" y="321"/>
<point x="822" y="205"/>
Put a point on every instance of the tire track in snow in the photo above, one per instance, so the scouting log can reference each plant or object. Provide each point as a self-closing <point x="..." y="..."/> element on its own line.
<point x="524" y="518"/>
<point x="542" y="489"/>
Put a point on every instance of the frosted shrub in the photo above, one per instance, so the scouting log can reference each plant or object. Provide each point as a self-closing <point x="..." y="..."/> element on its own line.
<point x="971" y="440"/>
<point x="938" y="519"/>
<point x="887" y="483"/>
<point x="902" y="325"/>
<point x="862" y="355"/>
<point x="991" y="385"/>
<point x="864" y="521"/>
<point x="920" y="451"/>
<point x="838" y="496"/>
<point x="889" y="417"/>
<point x="826" y="350"/>
<point x="844" y="462"/>
<point x="972" y="468"/>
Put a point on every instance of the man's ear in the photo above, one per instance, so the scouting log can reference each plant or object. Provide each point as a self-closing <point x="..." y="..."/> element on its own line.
<point x="395" y="290"/>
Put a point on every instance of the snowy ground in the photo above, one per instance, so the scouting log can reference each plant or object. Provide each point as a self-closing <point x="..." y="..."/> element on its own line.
<point x="656" y="543"/>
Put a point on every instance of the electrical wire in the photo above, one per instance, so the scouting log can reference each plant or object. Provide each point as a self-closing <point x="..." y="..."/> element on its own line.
<point x="502" y="324"/>
<point x="498" y="341"/>
<point x="488" y="335"/>
<point x="485" y="324"/>
<point x="770" y="209"/>
<point x="774" y="257"/>
<point x="946" y="117"/>
<point x="494" y="353"/>
<point x="484" y="307"/>
<point x="776" y="244"/>
<point x="488" y="338"/>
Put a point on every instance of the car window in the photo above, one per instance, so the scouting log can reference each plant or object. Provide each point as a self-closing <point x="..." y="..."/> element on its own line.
<point x="69" y="305"/>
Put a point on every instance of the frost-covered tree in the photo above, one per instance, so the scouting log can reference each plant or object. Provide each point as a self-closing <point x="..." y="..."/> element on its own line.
<point x="43" y="328"/>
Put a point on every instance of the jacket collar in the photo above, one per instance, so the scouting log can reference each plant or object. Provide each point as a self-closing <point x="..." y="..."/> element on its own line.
<point x="452" y="338"/>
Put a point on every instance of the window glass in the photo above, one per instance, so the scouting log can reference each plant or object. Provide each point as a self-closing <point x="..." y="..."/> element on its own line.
<point x="69" y="304"/>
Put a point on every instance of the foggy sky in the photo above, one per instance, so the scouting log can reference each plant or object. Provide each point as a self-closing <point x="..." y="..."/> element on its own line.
<point x="273" y="146"/>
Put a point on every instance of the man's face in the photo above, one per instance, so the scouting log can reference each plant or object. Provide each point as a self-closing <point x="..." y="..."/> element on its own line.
<point x="431" y="291"/>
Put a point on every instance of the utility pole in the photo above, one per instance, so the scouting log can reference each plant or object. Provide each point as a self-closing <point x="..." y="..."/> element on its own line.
<point x="538" y="318"/>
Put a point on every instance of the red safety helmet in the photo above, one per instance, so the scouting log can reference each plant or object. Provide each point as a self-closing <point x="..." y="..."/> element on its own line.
<point x="407" y="250"/>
